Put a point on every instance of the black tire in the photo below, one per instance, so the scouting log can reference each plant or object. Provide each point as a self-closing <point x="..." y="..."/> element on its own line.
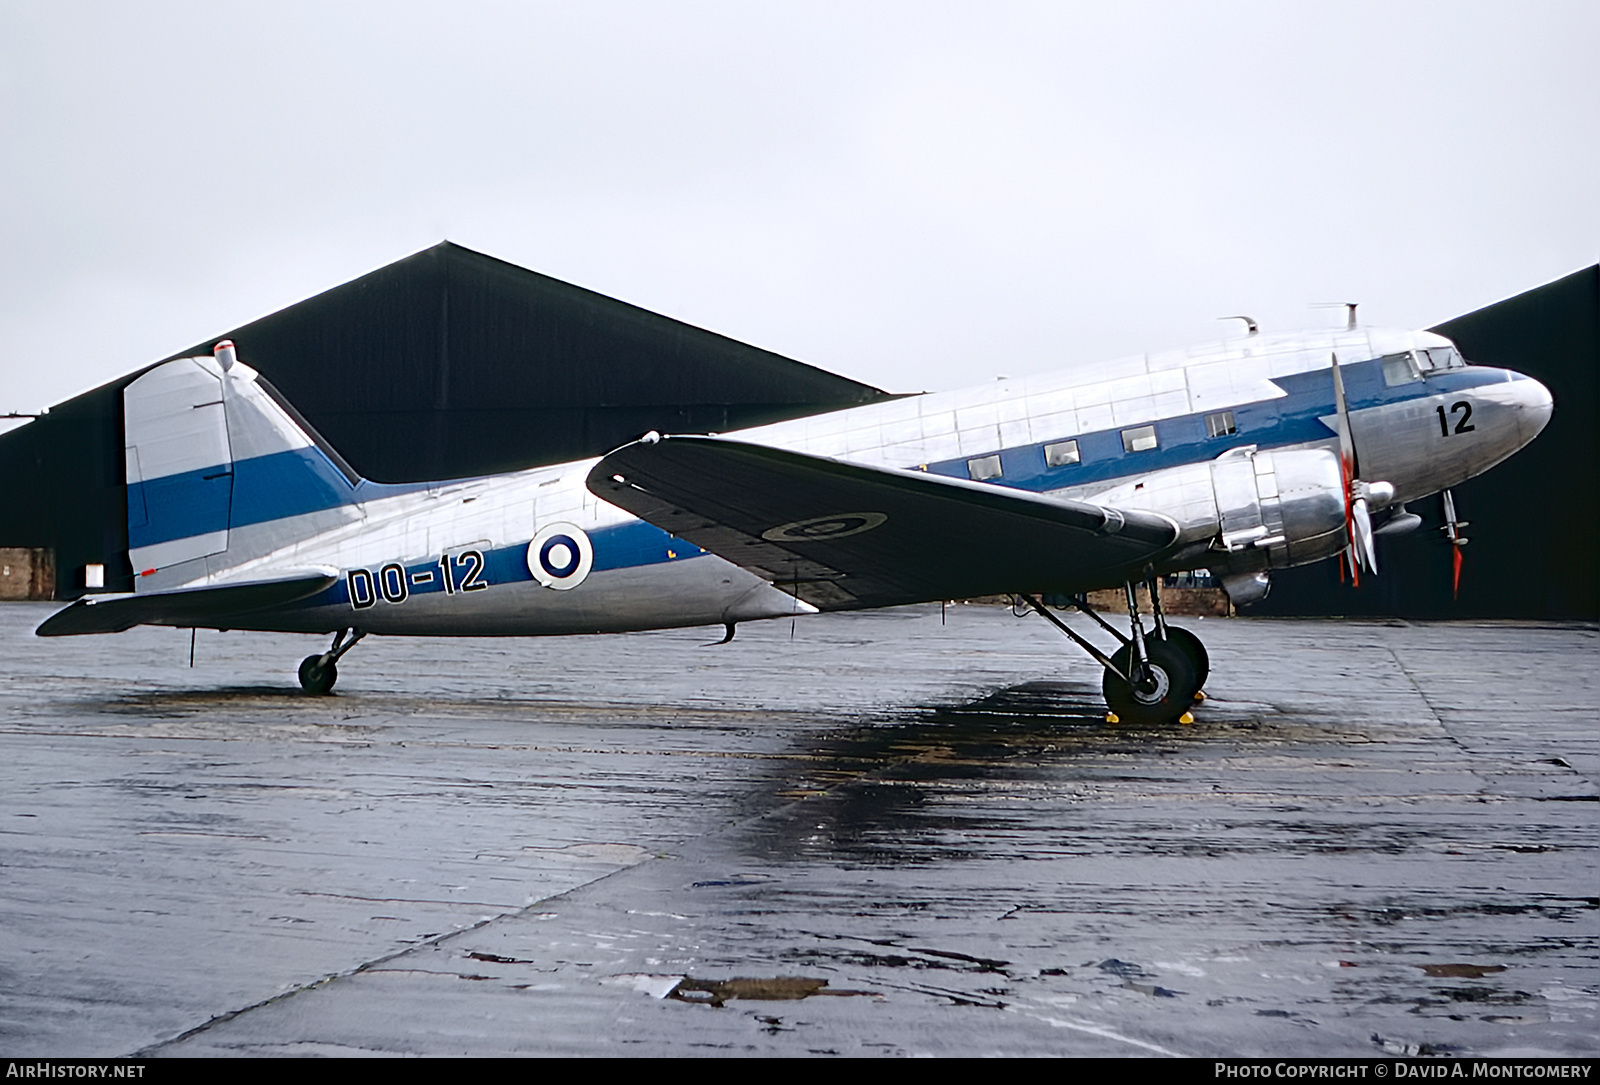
<point x="1191" y="646"/>
<point x="317" y="677"/>
<point x="1164" y="694"/>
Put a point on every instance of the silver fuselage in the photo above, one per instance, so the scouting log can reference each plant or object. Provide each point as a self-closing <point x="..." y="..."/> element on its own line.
<point x="454" y="558"/>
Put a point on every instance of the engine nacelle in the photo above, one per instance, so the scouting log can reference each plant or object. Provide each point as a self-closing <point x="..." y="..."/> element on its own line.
<point x="1247" y="511"/>
<point x="1278" y="509"/>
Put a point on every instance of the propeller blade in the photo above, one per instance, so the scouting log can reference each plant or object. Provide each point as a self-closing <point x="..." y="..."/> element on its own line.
<point x="1361" y="527"/>
<point x="1347" y="470"/>
<point x="1347" y="443"/>
<point x="1452" y="533"/>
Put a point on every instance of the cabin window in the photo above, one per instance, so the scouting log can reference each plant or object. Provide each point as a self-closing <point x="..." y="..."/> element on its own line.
<point x="984" y="467"/>
<point x="1061" y="454"/>
<point x="1220" y="424"/>
<point x="1400" y="369"/>
<point x="1139" y="439"/>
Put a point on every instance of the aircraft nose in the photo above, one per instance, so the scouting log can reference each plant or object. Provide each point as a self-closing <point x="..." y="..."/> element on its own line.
<point x="1534" y="406"/>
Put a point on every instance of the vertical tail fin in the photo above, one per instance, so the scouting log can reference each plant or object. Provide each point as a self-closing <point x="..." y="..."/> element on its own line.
<point x="221" y="471"/>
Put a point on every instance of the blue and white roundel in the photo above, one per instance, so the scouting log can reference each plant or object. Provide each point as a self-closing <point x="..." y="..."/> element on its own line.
<point x="560" y="556"/>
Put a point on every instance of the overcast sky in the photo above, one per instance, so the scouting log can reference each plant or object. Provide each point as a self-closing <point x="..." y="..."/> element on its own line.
<point x="916" y="195"/>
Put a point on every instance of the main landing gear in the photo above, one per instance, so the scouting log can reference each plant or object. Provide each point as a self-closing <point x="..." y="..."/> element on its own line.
<point x="1152" y="678"/>
<point x="319" y="673"/>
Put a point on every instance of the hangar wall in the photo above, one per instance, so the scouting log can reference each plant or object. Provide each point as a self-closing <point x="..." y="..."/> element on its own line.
<point x="448" y="363"/>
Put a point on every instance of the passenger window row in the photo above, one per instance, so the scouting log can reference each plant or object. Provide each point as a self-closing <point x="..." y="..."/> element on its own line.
<point x="1065" y="453"/>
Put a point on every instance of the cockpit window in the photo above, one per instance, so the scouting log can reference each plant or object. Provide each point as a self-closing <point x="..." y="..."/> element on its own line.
<point x="1401" y="368"/>
<point x="1435" y="359"/>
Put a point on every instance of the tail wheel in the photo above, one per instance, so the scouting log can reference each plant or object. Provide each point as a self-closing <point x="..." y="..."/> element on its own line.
<point x="316" y="676"/>
<point x="1157" y="693"/>
<point x="1192" y="648"/>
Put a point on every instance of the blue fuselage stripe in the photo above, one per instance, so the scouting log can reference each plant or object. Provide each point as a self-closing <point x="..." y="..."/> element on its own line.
<point x="621" y="546"/>
<point x="1293" y="419"/>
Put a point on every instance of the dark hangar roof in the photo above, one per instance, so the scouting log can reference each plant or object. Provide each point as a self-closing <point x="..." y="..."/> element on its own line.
<point x="452" y="363"/>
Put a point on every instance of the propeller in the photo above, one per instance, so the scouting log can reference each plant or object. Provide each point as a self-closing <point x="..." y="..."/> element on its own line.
<point x="1360" y="497"/>
<point x="1452" y="531"/>
<point x="1359" y="554"/>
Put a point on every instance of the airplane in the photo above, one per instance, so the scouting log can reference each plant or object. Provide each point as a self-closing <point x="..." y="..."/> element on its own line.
<point x="1241" y="456"/>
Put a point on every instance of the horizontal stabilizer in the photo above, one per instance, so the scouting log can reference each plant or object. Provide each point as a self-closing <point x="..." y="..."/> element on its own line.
<point x="209" y="606"/>
<point x="843" y="535"/>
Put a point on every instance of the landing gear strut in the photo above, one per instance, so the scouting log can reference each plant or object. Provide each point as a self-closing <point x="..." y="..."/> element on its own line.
<point x="319" y="673"/>
<point x="1150" y="679"/>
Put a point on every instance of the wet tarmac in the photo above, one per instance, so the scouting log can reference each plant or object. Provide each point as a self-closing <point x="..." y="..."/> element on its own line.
<point x="875" y="834"/>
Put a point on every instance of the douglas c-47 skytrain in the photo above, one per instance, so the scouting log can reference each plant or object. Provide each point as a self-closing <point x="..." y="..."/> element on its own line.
<point x="1241" y="457"/>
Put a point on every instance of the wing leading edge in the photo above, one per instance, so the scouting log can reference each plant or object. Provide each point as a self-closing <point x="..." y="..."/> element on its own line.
<point x="844" y="536"/>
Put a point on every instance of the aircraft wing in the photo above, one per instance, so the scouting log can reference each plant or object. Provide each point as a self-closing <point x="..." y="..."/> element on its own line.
<point x="209" y="606"/>
<point x="845" y="536"/>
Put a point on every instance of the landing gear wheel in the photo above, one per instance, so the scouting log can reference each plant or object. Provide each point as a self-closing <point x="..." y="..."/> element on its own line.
<point x="316" y="676"/>
<point x="1161" y="694"/>
<point x="1190" y="645"/>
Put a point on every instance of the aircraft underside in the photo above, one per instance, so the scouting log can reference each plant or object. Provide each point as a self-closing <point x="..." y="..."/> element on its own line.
<point x="1152" y="675"/>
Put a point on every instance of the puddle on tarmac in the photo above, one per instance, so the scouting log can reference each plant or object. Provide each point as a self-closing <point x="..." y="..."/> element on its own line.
<point x="775" y="989"/>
